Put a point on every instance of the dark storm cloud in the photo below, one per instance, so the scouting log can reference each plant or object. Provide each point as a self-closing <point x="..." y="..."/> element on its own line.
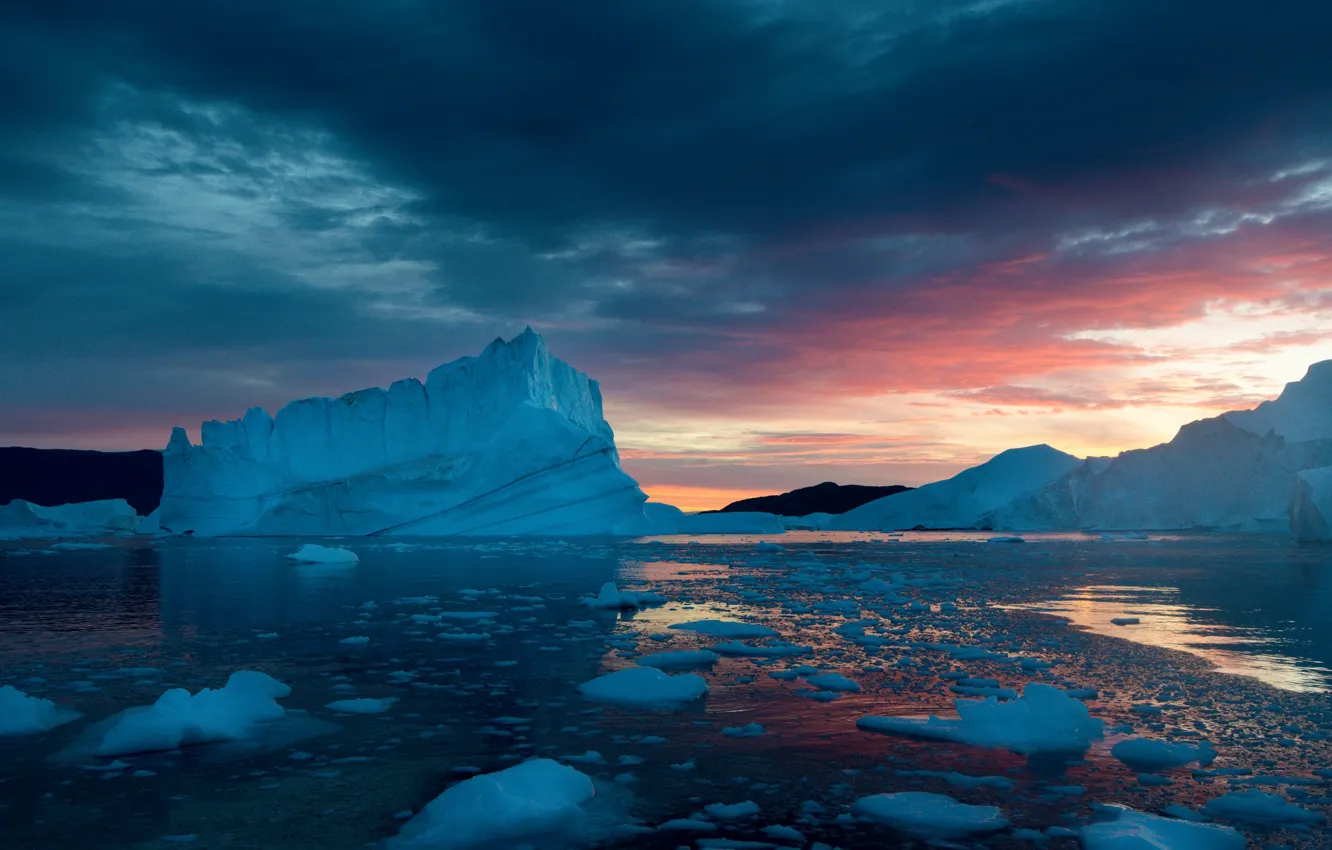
<point x="687" y="185"/>
<point x="738" y="117"/>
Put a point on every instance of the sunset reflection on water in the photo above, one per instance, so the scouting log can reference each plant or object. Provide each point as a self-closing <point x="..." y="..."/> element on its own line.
<point x="1165" y="622"/>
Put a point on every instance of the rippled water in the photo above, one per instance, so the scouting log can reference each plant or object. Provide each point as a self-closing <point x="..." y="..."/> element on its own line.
<point x="102" y="630"/>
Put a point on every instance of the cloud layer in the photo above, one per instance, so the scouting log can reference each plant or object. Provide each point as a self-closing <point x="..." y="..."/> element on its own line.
<point x="785" y="234"/>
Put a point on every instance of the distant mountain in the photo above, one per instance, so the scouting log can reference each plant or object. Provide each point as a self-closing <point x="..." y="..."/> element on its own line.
<point x="827" y="498"/>
<point x="51" y="477"/>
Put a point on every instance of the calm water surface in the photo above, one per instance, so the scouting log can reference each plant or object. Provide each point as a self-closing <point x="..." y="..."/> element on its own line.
<point x="103" y="630"/>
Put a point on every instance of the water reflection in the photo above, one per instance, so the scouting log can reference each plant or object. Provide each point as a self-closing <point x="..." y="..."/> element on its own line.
<point x="1165" y="620"/>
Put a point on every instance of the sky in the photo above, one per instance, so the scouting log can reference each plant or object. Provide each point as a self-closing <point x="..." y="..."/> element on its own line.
<point x="795" y="240"/>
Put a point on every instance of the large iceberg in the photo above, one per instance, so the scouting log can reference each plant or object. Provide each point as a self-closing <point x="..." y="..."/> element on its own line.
<point x="110" y="516"/>
<point x="967" y="499"/>
<point x="1248" y="470"/>
<point x="510" y="442"/>
<point x="1238" y="471"/>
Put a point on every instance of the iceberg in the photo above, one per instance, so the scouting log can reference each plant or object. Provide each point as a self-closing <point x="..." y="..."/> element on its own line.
<point x="1212" y="475"/>
<point x="1310" y="510"/>
<point x="313" y="553"/>
<point x="929" y="817"/>
<point x="966" y="500"/>
<point x="644" y="686"/>
<point x="1045" y="720"/>
<point x="20" y="519"/>
<point x="21" y="714"/>
<point x="1132" y="830"/>
<point x="179" y="718"/>
<point x="1302" y="412"/>
<point x="1246" y="470"/>
<point x="537" y="800"/>
<point x="510" y="442"/>
<point x="668" y="519"/>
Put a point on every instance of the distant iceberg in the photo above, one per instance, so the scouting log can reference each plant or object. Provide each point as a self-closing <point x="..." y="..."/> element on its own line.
<point x="966" y="499"/>
<point x="1235" y="472"/>
<point x="510" y="442"/>
<point x="20" y="519"/>
<point x="1247" y="470"/>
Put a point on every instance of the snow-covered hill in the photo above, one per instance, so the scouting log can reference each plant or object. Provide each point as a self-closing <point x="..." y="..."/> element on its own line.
<point x="964" y="500"/>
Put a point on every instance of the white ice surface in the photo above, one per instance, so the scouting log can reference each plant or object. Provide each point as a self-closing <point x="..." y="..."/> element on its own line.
<point x="534" y="800"/>
<point x="510" y="442"/>
<point x="644" y="686"/>
<point x="20" y="519"/>
<point x="313" y="553"/>
<point x="1132" y="830"/>
<point x="1044" y="720"/>
<point x="21" y="714"/>
<point x="964" y="500"/>
<point x="932" y="817"/>
<point x="180" y="718"/>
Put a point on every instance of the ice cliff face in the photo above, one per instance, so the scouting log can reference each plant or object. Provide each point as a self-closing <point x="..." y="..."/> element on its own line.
<point x="510" y="442"/>
<point x="1237" y="471"/>
<point x="1311" y="506"/>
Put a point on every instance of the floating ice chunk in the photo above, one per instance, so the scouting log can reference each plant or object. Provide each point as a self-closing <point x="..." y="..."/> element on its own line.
<point x="179" y="718"/>
<point x="681" y="659"/>
<point x="362" y="706"/>
<point x="834" y="682"/>
<point x="784" y="833"/>
<point x="1133" y="830"/>
<point x="358" y="640"/>
<point x="734" y="811"/>
<point x="1126" y="621"/>
<point x="588" y="757"/>
<point x="644" y="686"/>
<point x="773" y="649"/>
<point x="932" y="817"/>
<point x="688" y="825"/>
<point x="1006" y="539"/>
<point x="612" y="598"/>
<point x="749" y="730"/>
<point x="961" y="780"/>
<point x="766" y="546"/>
<point x="725" y="629"/>
<point x="1260" y="809"/>
<point x="534" y="800"/>
<point x="21" y="714"/>
<point x="313" y="553"/>
<point x="1150" y="754"/>
<point x="878" y="585"/>
<point x="1044" y="720"/>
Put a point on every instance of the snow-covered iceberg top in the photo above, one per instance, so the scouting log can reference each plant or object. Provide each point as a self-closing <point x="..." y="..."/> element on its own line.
<point x="1302" y="412"/>
<point x="510" y="442"/>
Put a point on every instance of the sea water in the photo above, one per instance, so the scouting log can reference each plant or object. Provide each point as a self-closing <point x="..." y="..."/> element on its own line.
<point x="477" y="649"/>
